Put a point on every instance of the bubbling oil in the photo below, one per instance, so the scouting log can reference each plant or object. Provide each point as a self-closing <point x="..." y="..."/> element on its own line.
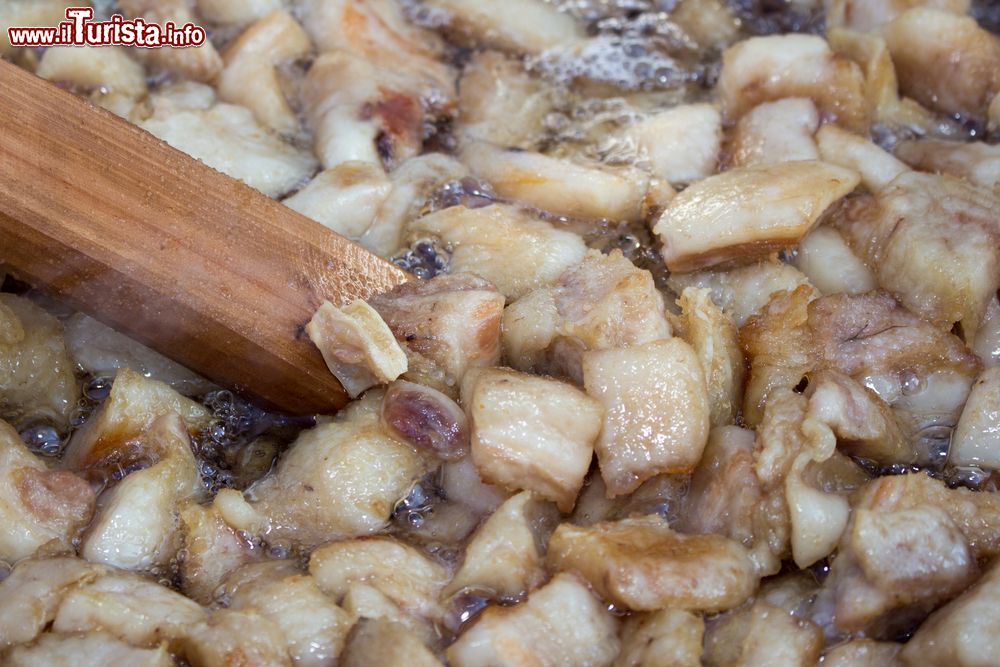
<point x="638" y="59"/>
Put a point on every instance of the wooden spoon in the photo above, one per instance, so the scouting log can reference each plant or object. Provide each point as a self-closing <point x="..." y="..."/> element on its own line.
<point x="195" y="264"/>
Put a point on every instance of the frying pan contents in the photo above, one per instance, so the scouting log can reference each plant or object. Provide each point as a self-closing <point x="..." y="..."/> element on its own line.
<point x="700" y="364"/>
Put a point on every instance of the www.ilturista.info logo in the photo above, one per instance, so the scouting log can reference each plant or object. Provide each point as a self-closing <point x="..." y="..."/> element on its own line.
<point x="80" y="30"/>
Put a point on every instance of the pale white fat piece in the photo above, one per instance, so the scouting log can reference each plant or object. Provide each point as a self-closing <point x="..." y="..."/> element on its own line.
<point x="213" y="549"/>
<point x="775" y="636"/>
<point x="357" y="345"/>
<point x="656" y="411"/>
<point x="933" y="242"/>
<point x="870" y="15"/>
<point x="365" y="601"/>
<point x="507" y="246"/>
<point x="345" y="198"/>
<point x="640" y="564"/>
<point x="37" y="381"/>
<point x="177" y="95"/>
<point x="32" y="592"/>
<point x="559" y="185"/>
<point x="361" y="107"/>
<point x="520" y="26"/>
<point x="764" y="69"/>
<point x="116" y="434"/>
<point x="778" y="131"/>
<point x="232" y="637"/>
<point x="862" y="653"/>
<point x="945" y="61"/>
<point x="314" y="627"/>
<point x="93" y="648"/>
<point x="379" y="32"/>
<point x="249" y="77"/>
<point x="236" y="12"/>
<point x="461" y="481"/>
<point x="964" y="633"/>
<point x="340" y="479"/>
<point x="603" y="302"/>
<point x="226" y="137"/>
<point x="137" y="525"/>
<point x="401" y="572"/>
<point x="504" y="558"/>
<point x="379" y="642"/>
<point x="561" y="623"/>
<point x="986" y="344"/>
<point x="830" y="265"/>
<point x="748" y="212"/>
<point x="109" y="69"/>
<point x="976" y="439"/>
<point x="975" y="161"/>
<point x="877" y="167"/>
<point x="710" y="23"/>
<point x="350" y="103"/>
<point x="132" y="608"/>
<point x="238" y="514"/>
<point x="817" y="519"/>
<point x="38" y="506"/>
<point x="412" y="182"/>
<point x="530" y="432"/>
<point x="342" y="137"/>
<point x="745" y="290"/>
<point x="501" y="103"/>
<point x="665" y="638"/>
<point x="715" y="339"/>
<point x="679" y="145"/>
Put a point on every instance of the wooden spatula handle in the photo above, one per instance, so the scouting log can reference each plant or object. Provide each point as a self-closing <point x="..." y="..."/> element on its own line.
<point x="154" y="243"/>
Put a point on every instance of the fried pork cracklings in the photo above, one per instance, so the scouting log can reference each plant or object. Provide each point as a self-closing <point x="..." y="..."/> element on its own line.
<point x="702" y="368"/>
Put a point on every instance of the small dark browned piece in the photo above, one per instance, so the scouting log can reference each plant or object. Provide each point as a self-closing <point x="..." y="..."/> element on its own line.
<point x="154" y="243"/>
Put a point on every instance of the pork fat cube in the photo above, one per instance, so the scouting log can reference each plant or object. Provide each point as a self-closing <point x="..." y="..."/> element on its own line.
<point x="530" y="432"/>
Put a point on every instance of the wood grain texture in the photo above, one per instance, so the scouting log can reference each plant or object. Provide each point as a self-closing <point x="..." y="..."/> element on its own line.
<point x="194" y="264"/>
